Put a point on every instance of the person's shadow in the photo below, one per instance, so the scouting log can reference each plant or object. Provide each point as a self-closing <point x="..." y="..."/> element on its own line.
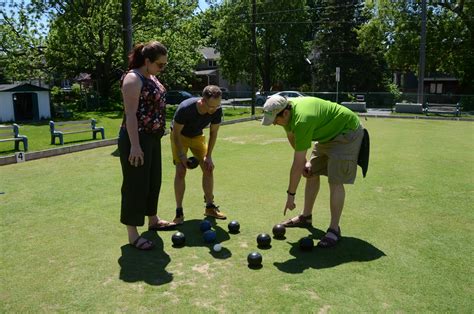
<point x="194" y="237"/>
<point x="348" y="250"/>
<point x="148" y="266"/>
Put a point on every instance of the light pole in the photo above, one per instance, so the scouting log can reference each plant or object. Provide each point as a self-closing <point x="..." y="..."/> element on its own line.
<point x="338" y="77"/>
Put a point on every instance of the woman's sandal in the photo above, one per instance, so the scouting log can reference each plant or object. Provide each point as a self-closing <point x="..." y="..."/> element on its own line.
<point x="162" y="225"/>
<point x="298" y="221"/>
<point x="330" y="239"/>
<point x="145" y="245"/>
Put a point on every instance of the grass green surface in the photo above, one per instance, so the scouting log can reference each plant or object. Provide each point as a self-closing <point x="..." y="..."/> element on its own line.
<point x="407" y="231"/>
<point x="39" y="137"/>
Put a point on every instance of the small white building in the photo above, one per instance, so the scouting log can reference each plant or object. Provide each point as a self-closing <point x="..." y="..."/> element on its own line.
<point x="23" y="102"/>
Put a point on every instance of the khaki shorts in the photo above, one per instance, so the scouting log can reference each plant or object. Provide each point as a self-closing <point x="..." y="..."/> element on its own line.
<point x="197" y="145"/>
<point x="337" y="159"/>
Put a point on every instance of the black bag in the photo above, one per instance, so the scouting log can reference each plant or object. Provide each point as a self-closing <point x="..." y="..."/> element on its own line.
<point x="364" y="152"/>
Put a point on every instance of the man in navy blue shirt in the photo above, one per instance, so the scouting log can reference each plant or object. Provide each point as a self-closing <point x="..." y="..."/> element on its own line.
<point x="191" y="117"/>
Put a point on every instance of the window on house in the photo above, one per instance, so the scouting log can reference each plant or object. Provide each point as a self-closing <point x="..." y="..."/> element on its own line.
<point x="436" y="88"/>
<point x="212" y="63"/>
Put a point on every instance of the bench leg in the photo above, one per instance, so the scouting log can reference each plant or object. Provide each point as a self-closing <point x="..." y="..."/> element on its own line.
<point x="25" y="144"/>
<point x="94" y="133"/>
<point x="61" y="139"/>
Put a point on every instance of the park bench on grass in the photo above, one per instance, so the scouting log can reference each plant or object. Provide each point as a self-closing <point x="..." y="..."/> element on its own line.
<point x="435" y="108"/>
<point x="58" y="129"/>
<point x="11" y="133"/>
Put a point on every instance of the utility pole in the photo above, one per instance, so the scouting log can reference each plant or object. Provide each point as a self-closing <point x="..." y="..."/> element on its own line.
<point x="127" y="29"/>
<point x="254" y="54"/>
<point x="421" y="65"/>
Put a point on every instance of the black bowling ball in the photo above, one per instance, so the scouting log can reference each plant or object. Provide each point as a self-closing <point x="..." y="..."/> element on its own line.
<point x="254" y="259"/>
<point x="306" y="244"/>
<point x="234" y="226"/>
<point x="178" y="239"/>
<point x="263" y="240"/>
<point x="279" y="231"/>
<point x="192" y="162"/>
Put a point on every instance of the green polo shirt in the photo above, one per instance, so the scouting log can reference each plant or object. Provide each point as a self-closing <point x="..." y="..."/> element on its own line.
<point x="316" y="119"/>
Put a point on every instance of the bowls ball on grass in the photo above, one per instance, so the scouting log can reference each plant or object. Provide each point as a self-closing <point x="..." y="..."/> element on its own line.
<point x="254" y="259"/>
<point x="234" y="226"/>
<point x="210" y="236"/>
<point x="279" y="231"/>
<point x="192" y="162"/>
<point x="178" y="239"/>
<point x="306" y="244"/>
<point x="205" y="225"/>
<point x="264" y="240"/>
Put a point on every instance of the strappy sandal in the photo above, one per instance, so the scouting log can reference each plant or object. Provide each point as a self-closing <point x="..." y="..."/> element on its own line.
<point x="179" y="218"/>
<point x="298" y="221"/>
<point x="162" y="225"/>
<point x="144" y="246"/>
<point x="331" y="238"/>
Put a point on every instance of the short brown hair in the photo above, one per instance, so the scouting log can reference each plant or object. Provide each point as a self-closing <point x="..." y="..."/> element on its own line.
<point x="211" y="91"/>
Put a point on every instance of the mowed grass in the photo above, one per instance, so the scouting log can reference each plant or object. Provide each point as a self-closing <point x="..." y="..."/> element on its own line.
<point x="407" y="231"/>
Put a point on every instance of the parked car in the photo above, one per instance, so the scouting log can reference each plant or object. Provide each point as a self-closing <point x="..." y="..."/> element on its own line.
<point x="261" y="97"/>
<point x="290" y="94"/>
<point x="175" y="97"/>
<point x="225" y="93"/>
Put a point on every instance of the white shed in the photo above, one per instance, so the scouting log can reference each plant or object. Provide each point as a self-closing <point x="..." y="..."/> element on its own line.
<point x="23" y="102"/>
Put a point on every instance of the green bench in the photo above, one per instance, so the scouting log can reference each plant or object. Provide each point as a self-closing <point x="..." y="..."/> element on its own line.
<point x="11" y="133"/>
<point x="59" y="129"/>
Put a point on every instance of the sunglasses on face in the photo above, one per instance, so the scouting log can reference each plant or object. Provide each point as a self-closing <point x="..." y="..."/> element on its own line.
<point x="161" y="65"/>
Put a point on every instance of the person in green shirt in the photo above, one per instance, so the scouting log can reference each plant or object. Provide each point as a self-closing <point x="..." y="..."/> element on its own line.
<point x="337" y="134"/>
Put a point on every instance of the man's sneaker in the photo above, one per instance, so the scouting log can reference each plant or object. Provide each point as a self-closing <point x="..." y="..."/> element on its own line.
<point x="213" y="211"/>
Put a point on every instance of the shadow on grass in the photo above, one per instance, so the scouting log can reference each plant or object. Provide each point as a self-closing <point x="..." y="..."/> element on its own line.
<point x="116" y="153"/>
<point x="194" y="237"/>
<point x="146" y="266"/>
<point x="348" y="250"/>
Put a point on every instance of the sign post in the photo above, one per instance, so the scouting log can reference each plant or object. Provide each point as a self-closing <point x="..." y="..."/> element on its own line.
<point x="20" y="157"/>
<point x="338" y="77"/>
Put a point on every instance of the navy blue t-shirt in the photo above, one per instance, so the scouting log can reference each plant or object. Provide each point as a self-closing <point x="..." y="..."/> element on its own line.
<point x="187" y="114"/>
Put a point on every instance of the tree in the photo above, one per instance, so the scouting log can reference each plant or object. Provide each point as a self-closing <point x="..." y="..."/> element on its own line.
<point x="281" y="29"/>
<point x="85" y="36"/>
<point x="21" y="44"/>
<point x="336" y="44"/>
<point x="450" y="37"/>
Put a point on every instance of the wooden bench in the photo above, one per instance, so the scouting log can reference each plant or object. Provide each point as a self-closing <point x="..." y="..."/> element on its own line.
<point x="58" y="129"/>
<point x="435" y="108"/>
<point x="11" y="133"/>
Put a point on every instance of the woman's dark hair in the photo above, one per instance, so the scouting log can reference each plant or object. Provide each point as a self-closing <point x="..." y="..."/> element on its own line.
<point x="152" y="50"/>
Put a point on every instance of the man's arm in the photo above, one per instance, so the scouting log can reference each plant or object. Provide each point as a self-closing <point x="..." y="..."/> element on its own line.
<point x="213" y="129"/>
<point x="299" y="161"/>
<point x="208" y="163"/>
<point x="177" y="128"/>
<point x="291" y="138"/>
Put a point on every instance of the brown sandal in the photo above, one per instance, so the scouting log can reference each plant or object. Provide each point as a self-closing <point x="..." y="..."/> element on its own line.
<point x="162" y="225"/>
<point x="298" y="221"/>
<point x="330" y="239"/>
<point x="144" y="246"/>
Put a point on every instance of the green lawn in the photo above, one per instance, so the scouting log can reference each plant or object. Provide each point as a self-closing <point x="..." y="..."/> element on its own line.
<point x="407" y="228"/>
<point x="39" y="136"/>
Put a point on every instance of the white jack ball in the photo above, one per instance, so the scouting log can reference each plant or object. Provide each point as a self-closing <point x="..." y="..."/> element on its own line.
<point x="217" y="247"/>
